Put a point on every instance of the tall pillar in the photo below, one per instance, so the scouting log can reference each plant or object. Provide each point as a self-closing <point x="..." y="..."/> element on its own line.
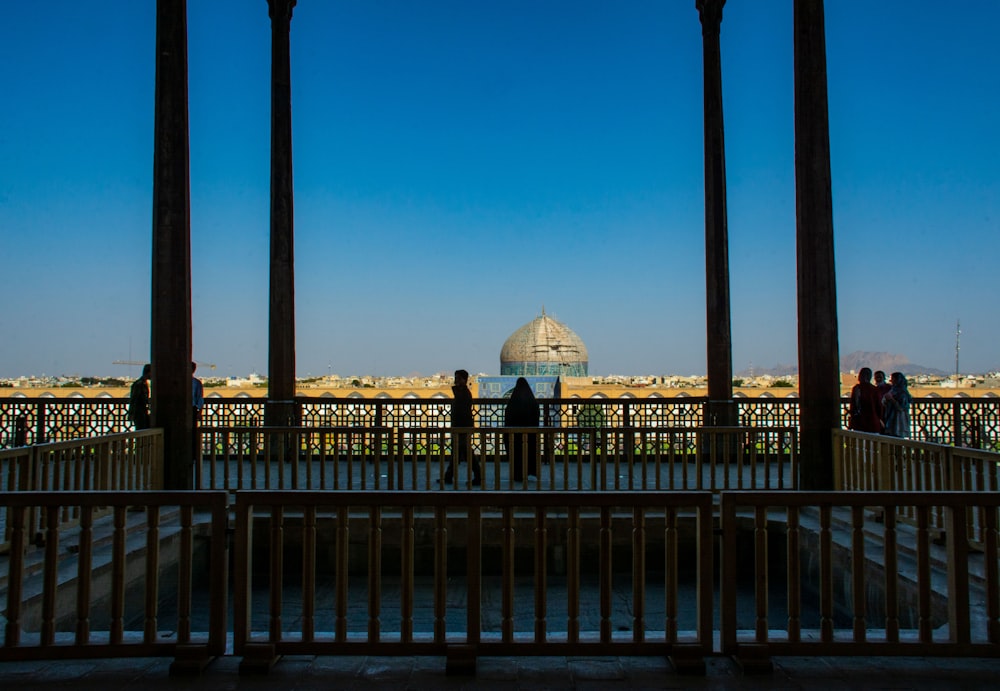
<point x="819" y="359"/>
<point x="721" y="407"/>
<point x="171" y="301"/>
<point x="280" y="409"/>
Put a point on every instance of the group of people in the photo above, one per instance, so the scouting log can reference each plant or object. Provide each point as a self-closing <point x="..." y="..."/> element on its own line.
<point x="138" y="399"/>
<point x="881" y="407"/>
<point x="522" y="411"/>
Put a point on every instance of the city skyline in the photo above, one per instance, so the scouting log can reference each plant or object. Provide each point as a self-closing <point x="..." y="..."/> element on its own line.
<point x="459" y="167"/>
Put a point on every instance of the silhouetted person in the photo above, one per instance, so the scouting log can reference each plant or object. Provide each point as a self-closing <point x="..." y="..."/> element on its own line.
<point x="197" y="393"/>
<point x="197" y="402"/>
<point x="881" y="384"/>
<point x="461" y="416"/>
<point x="522" y="411"/>
<point x="21" y="430"/>
<point x="138" y="399"/>
<point x="866" y="405"/>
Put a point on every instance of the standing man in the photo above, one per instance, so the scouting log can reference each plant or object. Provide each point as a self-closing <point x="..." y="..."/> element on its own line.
<point x="138" y="399"/>
<point x="461" y="416"/>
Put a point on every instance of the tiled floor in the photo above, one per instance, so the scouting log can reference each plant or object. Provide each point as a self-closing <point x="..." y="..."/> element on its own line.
<point x="307" y="673"/>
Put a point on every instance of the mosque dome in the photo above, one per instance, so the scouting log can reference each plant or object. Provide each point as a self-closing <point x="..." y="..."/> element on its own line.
<point x="544" y="347"/>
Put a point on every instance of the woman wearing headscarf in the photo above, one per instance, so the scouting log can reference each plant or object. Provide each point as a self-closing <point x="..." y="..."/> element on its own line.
<point x="896" y="405"/>
<point x="522" y="411"/>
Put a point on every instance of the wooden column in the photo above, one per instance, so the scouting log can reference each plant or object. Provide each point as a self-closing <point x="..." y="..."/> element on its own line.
<point x="171" y="300"/>
<point x="819" y="358"/>
<point x="280" y="408"/>
<point x="721" y="407"/>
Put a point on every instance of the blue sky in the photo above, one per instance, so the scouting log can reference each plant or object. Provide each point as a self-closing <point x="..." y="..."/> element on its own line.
<point x="459" y="165"/>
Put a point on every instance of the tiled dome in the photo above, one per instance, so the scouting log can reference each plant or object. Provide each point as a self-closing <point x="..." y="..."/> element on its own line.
<point x="544" y="346"/>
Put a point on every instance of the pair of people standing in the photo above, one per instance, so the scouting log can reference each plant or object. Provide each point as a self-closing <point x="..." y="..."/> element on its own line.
<point x="522" y="411"/>
<point x="138" y="399"/>
<point x="880" y="408"/>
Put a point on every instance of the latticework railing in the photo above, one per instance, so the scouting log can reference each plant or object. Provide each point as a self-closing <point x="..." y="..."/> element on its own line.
<point x="972" y="422"/>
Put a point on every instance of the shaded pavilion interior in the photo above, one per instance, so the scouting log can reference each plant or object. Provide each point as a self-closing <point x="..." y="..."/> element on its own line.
<point x="815" y="271"/>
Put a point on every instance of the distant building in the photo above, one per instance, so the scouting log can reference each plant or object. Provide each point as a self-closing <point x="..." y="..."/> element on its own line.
<point x="544" y="347"/>
<point x="500" y="387"/>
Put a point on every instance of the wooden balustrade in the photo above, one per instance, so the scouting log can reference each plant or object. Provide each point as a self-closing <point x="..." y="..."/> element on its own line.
<point x="874" y="462"/>
<point x="467" y="573"/>
<point x="377" y="539"/>
<point x="70" y="596"/>
<point x="870" y="585"/>
<point x="898" y="563"/>
<point x="119" y="462"/>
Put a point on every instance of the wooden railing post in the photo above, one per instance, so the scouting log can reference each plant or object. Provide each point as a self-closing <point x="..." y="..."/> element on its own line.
<point x="958" y="574"/>
<point x="839" y="442"/>
<point x="884" y="479"/>
<point x="952" y="475"/>
<point x="40" y="423"/>
<point x="956" y="423"/>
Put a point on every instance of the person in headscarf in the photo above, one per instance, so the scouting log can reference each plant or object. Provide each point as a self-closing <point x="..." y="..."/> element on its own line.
<point x="866" y="407"/>
<point x="522" y="411"/>
<point x="896" y="407"/>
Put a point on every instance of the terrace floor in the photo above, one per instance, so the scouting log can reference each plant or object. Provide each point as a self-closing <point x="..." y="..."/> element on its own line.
<point x="502" y="673"/>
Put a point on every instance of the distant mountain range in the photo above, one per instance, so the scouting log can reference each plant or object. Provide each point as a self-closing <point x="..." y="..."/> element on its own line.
<point x="887" y="362"/>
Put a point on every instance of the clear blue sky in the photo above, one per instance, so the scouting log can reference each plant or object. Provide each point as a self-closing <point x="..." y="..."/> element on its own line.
<point x="459" y="165"/>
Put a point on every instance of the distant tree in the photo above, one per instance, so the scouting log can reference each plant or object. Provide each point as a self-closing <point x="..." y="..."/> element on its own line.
<point x="590" y="415"/>
<point x="355" y="383"/>
<point x="737" y="382"/>
<point x="782" y="384"/>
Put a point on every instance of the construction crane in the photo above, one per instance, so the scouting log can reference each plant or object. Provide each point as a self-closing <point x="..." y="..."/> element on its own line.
<point x="958" y="345"/>
<point x="140" y="363"/>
